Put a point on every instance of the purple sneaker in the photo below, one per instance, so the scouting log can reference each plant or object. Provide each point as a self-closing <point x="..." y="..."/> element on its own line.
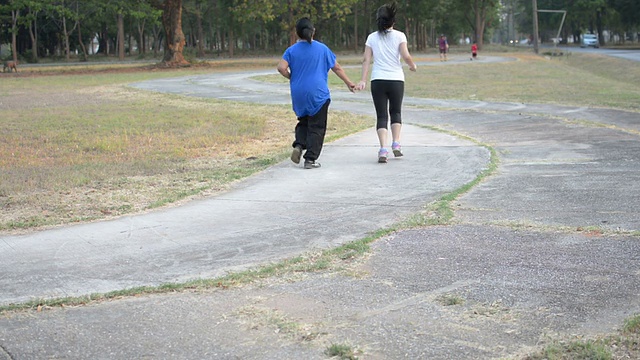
<point x="397" y="149"/>
<point x="382" y="155"/>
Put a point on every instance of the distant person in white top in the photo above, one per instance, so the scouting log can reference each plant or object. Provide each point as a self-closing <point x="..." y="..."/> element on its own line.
<point x="386" y="46"/>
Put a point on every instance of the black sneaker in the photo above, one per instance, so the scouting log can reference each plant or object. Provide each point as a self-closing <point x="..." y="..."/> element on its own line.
<point x="296" y="154"/>
<point x="311" y="164"/>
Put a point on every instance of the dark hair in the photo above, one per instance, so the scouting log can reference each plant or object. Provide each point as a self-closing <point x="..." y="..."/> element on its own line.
<point x="305" y="29"/>
<point x="386" y="16"/>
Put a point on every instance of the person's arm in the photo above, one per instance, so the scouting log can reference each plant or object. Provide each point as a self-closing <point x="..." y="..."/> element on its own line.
<point x="337" y="69"/>
<point x="404" y="52"/>
<point x="283" y="68"/>
<point x="366" y="63"/>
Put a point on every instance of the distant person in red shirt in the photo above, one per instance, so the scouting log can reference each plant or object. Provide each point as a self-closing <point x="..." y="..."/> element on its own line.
<point x="474" y="51"/>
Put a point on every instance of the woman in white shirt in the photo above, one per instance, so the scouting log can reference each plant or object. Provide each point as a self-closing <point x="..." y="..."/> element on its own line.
<point x="386" y="46"/>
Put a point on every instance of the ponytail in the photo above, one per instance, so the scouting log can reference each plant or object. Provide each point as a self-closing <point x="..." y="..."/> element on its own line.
<point x="305" y="29"/>
<point x="386" y="17"/>
<point x="307" y="34"/>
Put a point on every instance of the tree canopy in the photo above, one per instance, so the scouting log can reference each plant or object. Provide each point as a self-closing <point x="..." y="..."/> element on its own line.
<point x="185" y="29"/>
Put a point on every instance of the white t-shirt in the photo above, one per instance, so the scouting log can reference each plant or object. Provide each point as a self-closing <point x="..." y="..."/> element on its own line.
<point x="386" y="54"/>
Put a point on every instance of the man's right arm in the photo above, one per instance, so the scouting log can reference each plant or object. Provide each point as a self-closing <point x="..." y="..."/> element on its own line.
<point x="283" y="68"/>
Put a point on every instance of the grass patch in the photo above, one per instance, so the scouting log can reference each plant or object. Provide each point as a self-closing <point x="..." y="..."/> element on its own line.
<point x="450" y="300"/>
<point x="574" y="350"/>
<point x="340" y="351"/>
<point x="632" y="325"/>
<point x="623" y="345"/>
<point x="274" y="319"/>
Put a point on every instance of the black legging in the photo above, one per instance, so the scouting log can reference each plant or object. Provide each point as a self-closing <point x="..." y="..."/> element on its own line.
<point x="387" y="93"/>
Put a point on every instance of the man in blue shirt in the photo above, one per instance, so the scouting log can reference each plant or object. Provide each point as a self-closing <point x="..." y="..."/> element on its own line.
<point x="306" y="64"/>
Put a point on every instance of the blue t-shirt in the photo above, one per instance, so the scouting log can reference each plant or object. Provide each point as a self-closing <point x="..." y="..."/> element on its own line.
<point x="309" y="65"/>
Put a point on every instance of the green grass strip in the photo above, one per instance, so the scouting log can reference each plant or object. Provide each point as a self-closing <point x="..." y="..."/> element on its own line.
<point x="441" y="212"/>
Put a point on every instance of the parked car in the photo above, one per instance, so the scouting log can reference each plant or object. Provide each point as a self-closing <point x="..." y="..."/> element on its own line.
<point x="589" y="40"/>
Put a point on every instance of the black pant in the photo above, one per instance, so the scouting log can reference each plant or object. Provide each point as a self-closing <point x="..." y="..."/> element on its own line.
<point x="387" y="98"/>
<point x="310" y="132"/>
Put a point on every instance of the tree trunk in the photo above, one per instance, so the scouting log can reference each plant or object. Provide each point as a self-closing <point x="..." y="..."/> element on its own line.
<point x="84" y="49"/>
<point x="479" y="25"/>
<point x="232" y="41"/>
<point x="141" y="46"/>
<point x="103" y="47"/>
<point x="356" y="42"/>
<point x="599" y="27"/>
<point x="15" y="14"/>
<point x="120" y="24"/>
<point x="367" y="16"/>
<point x="157" y="40"/>
<point x="200" y="40"/>
<point x="174" y="39"/>
<point x="33" y="33"/>
<point x="67" y="48"/>
<point x="292" y="26"/>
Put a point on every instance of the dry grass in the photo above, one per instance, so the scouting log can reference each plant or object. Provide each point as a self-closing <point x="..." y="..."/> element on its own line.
<point x="85" y="147"/>
<point x="578" y="80"/>
<point x="574" y="80"/>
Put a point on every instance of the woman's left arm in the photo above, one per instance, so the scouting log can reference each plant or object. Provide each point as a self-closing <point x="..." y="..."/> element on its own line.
<point x="404" y="52"/>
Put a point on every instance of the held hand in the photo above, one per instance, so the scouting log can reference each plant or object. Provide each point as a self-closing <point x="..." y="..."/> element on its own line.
<point x="352" y="87"/>
<point x="361" y="85"/>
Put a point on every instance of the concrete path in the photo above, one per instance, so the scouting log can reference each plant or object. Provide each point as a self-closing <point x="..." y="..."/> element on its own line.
<point x="546" y="247"/>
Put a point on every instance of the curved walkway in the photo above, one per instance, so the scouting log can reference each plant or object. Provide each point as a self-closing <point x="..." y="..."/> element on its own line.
<point x="544" y="246"/>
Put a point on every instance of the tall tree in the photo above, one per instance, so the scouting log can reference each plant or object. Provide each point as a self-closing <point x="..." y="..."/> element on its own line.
<point x="13" y="7"/>
<point x="30" y="21"/>
<point x="79" y="17"/>
<point x="62" y="15"/>
<point x="144" y="14"/>
<point x="198" y="9"/>
<point x="593" y="10"/>
<point x="174" y="39"/>
<point x="481" y="10"/>
<point x="15" y="14"/>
